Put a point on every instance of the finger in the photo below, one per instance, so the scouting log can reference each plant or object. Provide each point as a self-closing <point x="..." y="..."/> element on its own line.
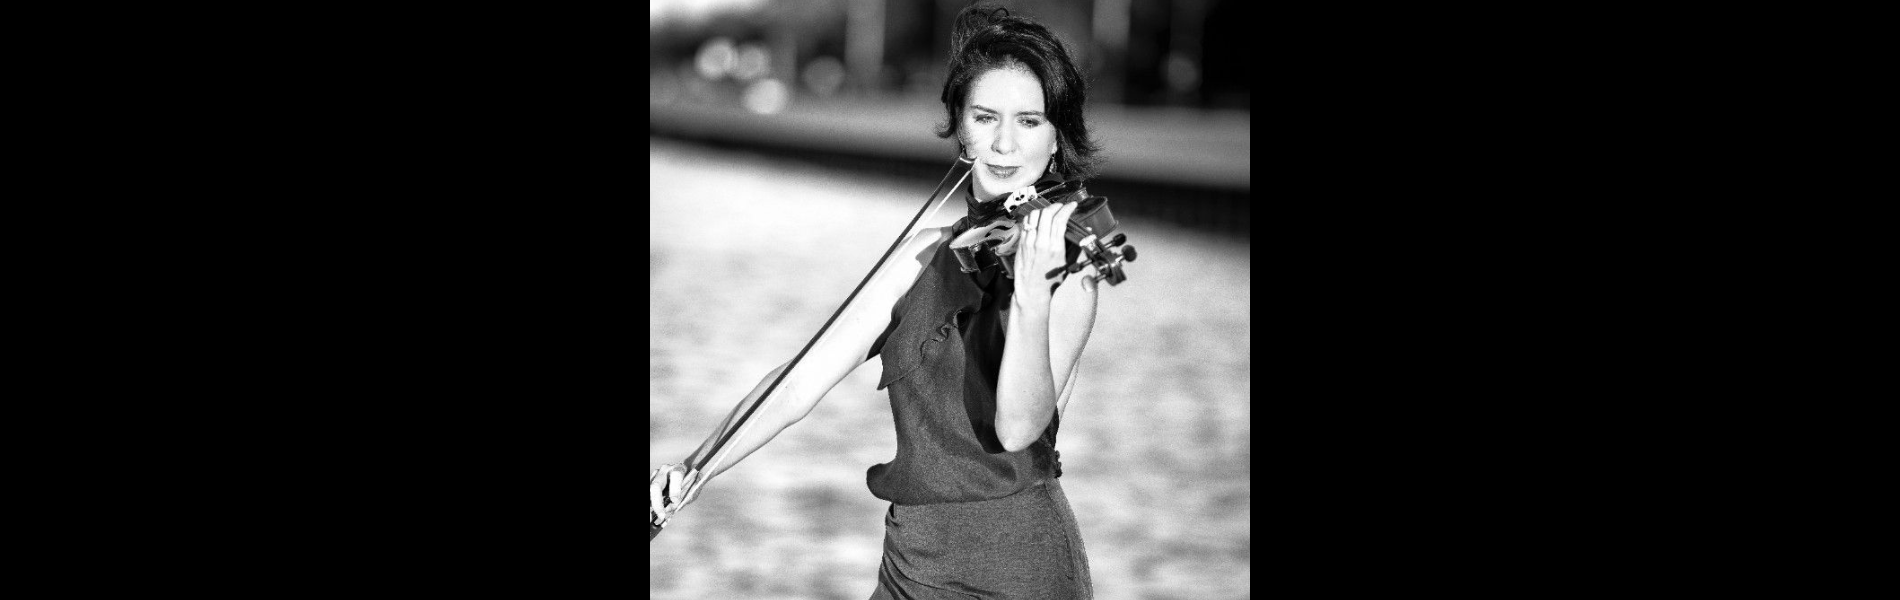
<point x="1018" y="261"/>
<point x="674" y="489"/>
<point x="1053" y="230"/>
<point x="1067" y="214"/>
<point x="1058" y="226"/>
<point x="1032" y="240"/>
<point x="1038" y="240"/>
<point x="1043" y="231"/>
<point x="658" y="507"/>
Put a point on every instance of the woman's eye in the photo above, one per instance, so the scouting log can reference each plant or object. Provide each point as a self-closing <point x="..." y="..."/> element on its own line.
<point x="1030" y="122"/>
<point x="984" y="118"/>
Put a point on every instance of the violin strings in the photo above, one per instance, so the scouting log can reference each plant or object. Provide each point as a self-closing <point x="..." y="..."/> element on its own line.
<point x="1074" y="228"/>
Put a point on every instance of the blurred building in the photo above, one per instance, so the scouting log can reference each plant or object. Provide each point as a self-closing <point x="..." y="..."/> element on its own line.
<point x="856" y="83"/>
<point x="1138" y="52"/>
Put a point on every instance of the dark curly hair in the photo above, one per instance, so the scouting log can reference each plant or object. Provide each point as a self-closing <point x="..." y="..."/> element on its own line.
<point x="986" y="38"/>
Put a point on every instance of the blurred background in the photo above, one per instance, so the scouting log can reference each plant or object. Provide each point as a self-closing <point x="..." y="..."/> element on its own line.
<point x="790" y="144"/>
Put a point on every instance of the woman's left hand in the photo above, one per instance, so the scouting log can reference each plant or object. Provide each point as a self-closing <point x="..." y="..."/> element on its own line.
<point x="1041" y="249"/>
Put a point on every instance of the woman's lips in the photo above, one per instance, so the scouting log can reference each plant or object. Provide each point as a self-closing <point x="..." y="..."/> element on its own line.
<point x="1001" y="172"/>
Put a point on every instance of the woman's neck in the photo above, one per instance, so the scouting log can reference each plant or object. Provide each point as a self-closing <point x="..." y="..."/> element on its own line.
<point x="970" y="194"/>
<point x="980" y="210"/>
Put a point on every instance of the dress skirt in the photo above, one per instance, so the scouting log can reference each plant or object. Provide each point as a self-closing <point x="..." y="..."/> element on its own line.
<point x="1025" y="546"/>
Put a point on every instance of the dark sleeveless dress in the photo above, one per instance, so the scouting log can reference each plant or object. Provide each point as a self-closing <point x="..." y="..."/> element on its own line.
<point x="967" y="519"/>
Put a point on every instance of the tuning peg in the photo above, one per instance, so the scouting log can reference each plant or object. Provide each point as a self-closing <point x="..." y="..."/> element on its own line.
<point x="1128" y="253"/>
<point x="1074" y="268"/>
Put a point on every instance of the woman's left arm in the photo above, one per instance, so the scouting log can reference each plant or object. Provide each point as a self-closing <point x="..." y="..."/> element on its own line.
<point x="1071" y="319"/>
<point x="1046" y="333"/>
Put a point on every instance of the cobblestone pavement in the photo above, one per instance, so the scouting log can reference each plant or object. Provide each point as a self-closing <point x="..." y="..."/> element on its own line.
<point x="749" y="256"/>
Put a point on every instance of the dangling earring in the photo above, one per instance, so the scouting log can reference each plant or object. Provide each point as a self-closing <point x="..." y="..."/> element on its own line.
<point x="1052" y="165"/>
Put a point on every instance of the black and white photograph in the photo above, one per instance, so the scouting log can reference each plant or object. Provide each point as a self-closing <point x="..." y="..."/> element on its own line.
<point x="945" y="299"/>
<point x="949" y="299"/>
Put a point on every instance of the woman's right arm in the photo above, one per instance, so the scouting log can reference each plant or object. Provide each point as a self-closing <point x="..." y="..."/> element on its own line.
<point x="844" y="346"/>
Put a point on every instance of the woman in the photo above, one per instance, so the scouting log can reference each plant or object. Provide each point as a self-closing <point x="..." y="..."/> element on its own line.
<point x="979" y="369"/>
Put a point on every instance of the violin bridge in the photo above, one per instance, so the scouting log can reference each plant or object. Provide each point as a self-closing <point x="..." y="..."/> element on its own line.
<point x="1019" y="197"/>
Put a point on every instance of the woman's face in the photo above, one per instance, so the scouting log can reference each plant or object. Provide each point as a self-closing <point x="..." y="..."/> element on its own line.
<point x="1005" y="130"/>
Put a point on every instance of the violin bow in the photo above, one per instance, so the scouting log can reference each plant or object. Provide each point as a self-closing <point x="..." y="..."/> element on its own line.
<point x="932" y="204"/>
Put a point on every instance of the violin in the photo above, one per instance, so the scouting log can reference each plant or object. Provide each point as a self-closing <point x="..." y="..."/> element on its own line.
<point x="994" y="228"/>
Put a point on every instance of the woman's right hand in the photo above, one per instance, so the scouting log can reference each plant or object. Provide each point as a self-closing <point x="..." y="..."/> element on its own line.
<point x="671" y="488"/>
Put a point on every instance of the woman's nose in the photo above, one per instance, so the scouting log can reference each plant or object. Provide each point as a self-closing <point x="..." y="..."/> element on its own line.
<point x="1005" y="141"/>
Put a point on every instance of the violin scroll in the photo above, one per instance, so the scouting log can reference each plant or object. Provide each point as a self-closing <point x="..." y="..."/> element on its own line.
<point x="1108" y="261"/>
